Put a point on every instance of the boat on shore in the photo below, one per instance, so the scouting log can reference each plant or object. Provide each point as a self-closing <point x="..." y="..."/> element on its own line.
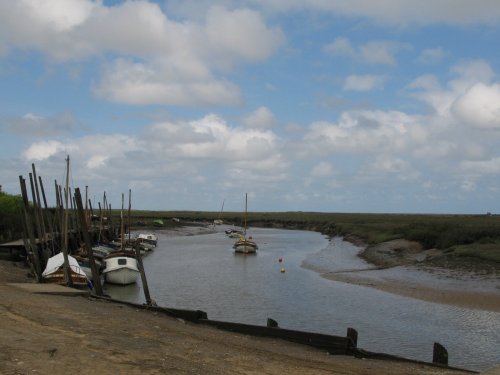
<point x="54" y="272"/>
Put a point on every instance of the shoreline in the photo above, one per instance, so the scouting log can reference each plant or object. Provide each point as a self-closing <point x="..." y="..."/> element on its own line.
<point x="408" y="255"/>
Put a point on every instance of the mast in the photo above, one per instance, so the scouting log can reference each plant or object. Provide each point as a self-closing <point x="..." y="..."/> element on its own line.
<point x="67" y="274"/>
<point x="122" y="225"/>
<point x="246" y="203"/>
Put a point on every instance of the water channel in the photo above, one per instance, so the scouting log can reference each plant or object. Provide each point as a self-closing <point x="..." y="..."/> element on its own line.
<point x="202" y="272"/>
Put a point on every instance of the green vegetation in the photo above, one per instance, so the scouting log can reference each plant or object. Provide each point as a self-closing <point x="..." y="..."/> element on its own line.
<point x="10" y="217"/>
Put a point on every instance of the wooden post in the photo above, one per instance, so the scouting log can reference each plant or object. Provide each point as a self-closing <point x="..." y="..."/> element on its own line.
<point x="149" y="302"/>
<point x="353" y="335"/>
<point x="48" y="216"/>
<point x="39" y="205"/>
<point x="440" y="354"/>
<point x="271" y="323"/>
<point x="96" y="279"/>
<point x="39" y="233"/>
<point x="35" y="259"/>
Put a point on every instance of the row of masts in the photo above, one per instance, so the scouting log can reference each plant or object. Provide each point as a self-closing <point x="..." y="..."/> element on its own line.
<point x="63" y="228"/>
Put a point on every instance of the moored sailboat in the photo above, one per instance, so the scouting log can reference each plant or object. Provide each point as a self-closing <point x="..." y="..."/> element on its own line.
<point x="245" y="245"/>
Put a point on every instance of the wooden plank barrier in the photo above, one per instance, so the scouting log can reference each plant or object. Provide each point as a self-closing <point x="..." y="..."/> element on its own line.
<point x="332" y="344"/>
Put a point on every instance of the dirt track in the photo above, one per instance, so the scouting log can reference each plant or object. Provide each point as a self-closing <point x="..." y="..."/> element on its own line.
<point x="53" y="334"/>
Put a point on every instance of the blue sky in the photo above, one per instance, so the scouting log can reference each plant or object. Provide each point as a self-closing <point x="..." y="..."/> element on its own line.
<point x="307" y="105"/>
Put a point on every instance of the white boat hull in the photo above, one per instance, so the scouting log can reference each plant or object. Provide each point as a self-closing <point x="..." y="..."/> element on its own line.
<point x="121" y="270"/>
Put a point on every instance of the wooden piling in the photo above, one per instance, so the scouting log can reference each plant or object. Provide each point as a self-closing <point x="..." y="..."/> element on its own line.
<point x="149" y="302"/>
<point x="33" y="253"/>
<point x="96" y="279"/>
<point x="439" y="354"/>
<point x="271" y="323"/>
<point x="353" y="335"/>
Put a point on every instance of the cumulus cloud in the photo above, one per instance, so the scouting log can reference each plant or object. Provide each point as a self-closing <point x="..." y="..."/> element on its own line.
<point x="363" y="82"/>
<point x="158" y="60"/>
<point x="479" y="106"/>
<point x="261" y="118"/>
<point x="43" y="150"/>
<point x="369" y="131"/>
<point x="139" y="83"/>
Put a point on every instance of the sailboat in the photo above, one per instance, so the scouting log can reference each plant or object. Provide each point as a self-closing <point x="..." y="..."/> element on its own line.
<point x="219" y="221"/>
<point x="245" y="245"/>
<point x="62" y="268"/>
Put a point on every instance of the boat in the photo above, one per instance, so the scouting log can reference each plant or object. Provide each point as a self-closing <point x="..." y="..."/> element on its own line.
<point x="245" y="245"/>
<point x="234" y="233"/>
<point x="101" y="251"/>
<point x="121" y="268"/>
<point x="219" y="221"/>
<point x="148" y="237"/>
<point x="54" y="272"/>
<point x="84" y="263"/>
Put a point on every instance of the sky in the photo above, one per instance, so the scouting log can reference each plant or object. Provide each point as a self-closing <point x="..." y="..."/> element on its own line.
<point x="386" y="106"/>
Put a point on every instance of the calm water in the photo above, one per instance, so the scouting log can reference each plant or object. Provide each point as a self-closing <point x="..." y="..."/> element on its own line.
<point x="202" y="272"/>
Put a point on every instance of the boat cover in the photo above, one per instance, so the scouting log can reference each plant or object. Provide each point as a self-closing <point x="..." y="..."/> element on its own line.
<point x="57" y="261"/>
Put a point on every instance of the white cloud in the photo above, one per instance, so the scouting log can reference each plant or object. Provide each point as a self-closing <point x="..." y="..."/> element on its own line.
<point x="261" y="118"/>
<point x="363" y="82"/>
<point x="380" y="52"/>
<point x="43" y="150"/>
<point x="322" y="169"/>
<point x="158" y="60"/>
<point x="391" y="165"/>
<point x="366" y="131"/>
<point x="239" y="35"/>
<point x="479" y="106"/>
<point x="137" y="83"/>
